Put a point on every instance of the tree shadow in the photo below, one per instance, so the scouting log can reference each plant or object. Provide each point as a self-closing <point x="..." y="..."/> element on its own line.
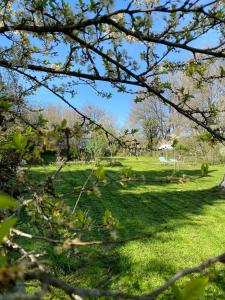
<point x="138" y="212"/>
<point x="143" y="210"/>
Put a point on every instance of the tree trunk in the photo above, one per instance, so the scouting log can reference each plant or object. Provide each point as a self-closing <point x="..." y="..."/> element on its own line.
<point x="222" y="185"/>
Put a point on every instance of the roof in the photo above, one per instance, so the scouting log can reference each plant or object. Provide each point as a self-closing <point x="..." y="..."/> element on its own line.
<point x="165" y="147"/>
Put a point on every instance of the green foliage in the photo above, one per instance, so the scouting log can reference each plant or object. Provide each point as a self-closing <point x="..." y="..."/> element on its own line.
<point x="41" y="120"/>
<point x="19" y="143"/>
<point x="194" y="68"/>
<point x="5" y="227"/>
<point x="204" y="169"/>
<point x="167" y="85"/>
<point x="127" y="172"/>
<point x="181" y="147"/>
<point x="205" y="137"/>
<point x="5" y="104"/>
<point x="138" y="99"/>
<point x="82" y="219"/>
<point x="97" y="145"/>
<point x="3" y="261"/>
<point x="175" y="142"/>
<point x="6" y="201"/>
<point x="109" y="221"/>
<point x="63" y="124"/>
<point x="100" y="173"/>
<point x="222" y="71"/>
<point x="122" y="89"/>
<point x="193" y="290"/>
<point x="178" y="178"/>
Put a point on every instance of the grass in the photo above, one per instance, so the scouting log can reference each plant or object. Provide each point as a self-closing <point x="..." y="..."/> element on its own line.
<point x="178" y="225"/>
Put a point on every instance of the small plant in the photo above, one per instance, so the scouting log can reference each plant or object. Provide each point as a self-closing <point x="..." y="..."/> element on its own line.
<point x="127" y="172"/>
<point x="182" y="178"/>
<point x="204" y="169"/>
<point x="82" y="219"/>
<point x="109" y="221"/>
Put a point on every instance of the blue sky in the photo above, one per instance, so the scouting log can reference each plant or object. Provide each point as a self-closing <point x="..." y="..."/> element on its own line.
<point x="120" y="103"/>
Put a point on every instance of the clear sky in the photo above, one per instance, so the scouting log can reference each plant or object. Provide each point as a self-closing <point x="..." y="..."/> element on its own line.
<point x="120" y="103"/>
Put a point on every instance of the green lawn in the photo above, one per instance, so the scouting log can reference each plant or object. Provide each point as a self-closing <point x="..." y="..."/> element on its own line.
<point x="172" y="225"/>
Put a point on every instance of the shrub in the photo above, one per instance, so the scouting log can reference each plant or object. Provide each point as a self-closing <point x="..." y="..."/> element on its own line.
<point x="96" y="145"/>
<point x="204" y="169"/>
<point x="181" y="147"/>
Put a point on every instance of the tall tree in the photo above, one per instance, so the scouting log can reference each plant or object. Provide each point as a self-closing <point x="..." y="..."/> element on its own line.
<point x="204" y="95"/>
<point x="150" y="117"/>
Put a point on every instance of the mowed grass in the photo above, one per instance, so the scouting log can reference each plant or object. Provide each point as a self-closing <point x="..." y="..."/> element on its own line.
<point x="169" y="226"/>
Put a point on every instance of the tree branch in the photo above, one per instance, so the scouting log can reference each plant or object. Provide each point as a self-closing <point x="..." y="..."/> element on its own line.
<point x="50" y="280"/>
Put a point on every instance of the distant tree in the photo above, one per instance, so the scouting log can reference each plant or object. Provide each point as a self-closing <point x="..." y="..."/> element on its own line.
<point x="150" y="117"/>
<point x="56" y="113"/>
<point x="206" y="97"/>
<point x="100" y="116"/>
<point x="97" y="145"/>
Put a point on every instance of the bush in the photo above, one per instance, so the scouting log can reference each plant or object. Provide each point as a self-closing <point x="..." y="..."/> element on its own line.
<point x="97" y="145"/>
<point x="181" y="147"/>
<point x="204" y="169"/>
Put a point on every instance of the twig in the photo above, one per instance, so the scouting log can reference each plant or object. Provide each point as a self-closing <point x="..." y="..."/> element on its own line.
<point x="81" y="191"/>
<point x="96" y="293"/>
<point x="31" y="257"/>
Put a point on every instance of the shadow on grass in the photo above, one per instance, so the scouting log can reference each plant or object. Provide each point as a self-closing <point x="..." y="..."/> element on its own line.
<point x="138" y="212"/>
<point x="141" y="214"/>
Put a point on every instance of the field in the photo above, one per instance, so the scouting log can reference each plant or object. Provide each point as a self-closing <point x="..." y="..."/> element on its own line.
<point x="163" y="227"/>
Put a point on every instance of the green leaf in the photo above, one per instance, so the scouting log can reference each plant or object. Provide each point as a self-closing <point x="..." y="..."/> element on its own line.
<point x="222" y="72"/>
<point x="92" y="3"/>
<point x="148" y="22"/>
<point x="5" y="227"/>
<point x="41" y="120"/>
<point x="5" y="104"/>
<point x="139" y="18"/>
<point x="19" y="141"/>
<point x="134" y="130"/>
<point x="100" y="173"/>
<point x="6" y="201"/>
<point x="138" y="99"/>
<point x="64" y="123"/>
<point x="195" y="289"/>
<point x="167" y="85"/>
<point x="121" y="89"/>
<point x="108" y="219"/>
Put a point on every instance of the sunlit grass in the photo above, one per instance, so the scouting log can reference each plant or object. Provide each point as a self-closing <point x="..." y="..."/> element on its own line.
<point x="180" y="225"/>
